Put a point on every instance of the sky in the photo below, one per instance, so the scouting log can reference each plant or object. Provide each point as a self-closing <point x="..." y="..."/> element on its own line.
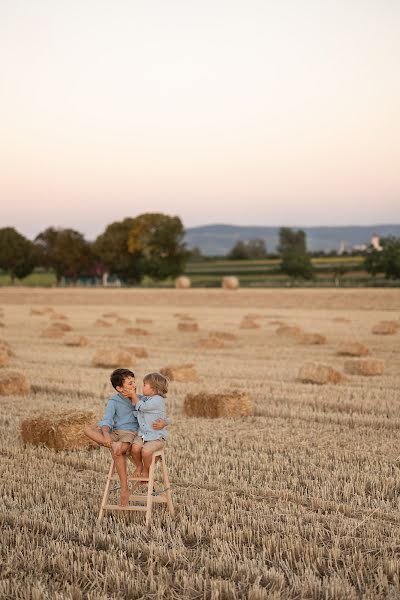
<point x="247" y="112"/>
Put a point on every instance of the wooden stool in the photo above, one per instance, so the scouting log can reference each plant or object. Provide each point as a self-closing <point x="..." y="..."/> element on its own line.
<point x="144" y="501"/>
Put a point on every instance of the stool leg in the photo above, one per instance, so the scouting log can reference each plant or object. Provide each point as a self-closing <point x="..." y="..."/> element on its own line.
<point x="106" y="492"/>
<point x="150" y="489"/>
<point x="167" y="487"/>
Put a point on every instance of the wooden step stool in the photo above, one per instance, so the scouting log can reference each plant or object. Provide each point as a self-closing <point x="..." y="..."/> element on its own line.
<point x="144" y="501"/>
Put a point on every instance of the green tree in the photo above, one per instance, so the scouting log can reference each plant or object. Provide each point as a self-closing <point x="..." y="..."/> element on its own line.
<point x="250" y="250"/>
<point x="385" y="261"/>
<point x="111" y="247"/>
<point x="16" y="254"/>
<point x="158" y="240"/>
<point x="64" y="250"/>
<point x="295" y="260"/>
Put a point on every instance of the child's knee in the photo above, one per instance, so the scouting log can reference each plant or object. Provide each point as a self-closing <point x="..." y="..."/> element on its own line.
<point x="136" y="450"/>
<point x="147" y="453"/>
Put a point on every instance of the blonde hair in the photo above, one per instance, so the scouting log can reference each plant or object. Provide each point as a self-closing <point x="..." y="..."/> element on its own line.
<point x="158" y="382"/>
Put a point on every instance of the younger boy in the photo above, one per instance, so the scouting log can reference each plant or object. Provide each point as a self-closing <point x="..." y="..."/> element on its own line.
<point x="149" y="407"/>
<point x="119" y="426"/>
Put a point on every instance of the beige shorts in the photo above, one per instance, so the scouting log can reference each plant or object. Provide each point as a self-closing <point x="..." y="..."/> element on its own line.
<point x="122" y="435"/>
<point x="151" y="446"/>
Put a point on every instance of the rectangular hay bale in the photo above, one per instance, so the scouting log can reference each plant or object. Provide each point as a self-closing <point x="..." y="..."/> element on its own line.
<point x="62" y="431"/>
<point x="231" y="404"/>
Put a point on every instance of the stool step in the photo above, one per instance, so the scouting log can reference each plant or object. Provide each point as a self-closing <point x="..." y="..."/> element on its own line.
<point x="117" y="507"/>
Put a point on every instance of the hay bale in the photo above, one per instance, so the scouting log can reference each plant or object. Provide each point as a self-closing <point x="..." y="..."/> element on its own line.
<point x="62" y="431"/>
<point x="320" y="374"/>
<point x="58" y="316"/>
<point x="223" y="335"/>
<point x="77" y="340"/>
<point x="211" y="343"/>
<point x="386" y="328"/>
<point x="247" y="323"/>
<point x="254" y="316"/>
<point x="352" y="349"/>
<point x="102" y="323"/>
<point x="143" y="321"/>
<point x="233" y="404"/>
<point x="289" y="330"/>
<point x="13" y="383"/>
<point x="4" y="358"/>
<point x="110" y="315"/>
<point x="136" y="331"/>
<point x="38" y="311"/>
<point x="61" y="326"/>
<point x="182" y="373"/>
<point x="230" y="283"/>
<point x="52" y="332"/>
<point x="341" y="320"/>
<point x="138" y="351"/>
<point x="183" y="317"/>
<point x="182" y="283"/>
<point x="123" y="321"/>
<point x="366" y="366"/>
<point x="312" y="339"/>
<point x="5" y="347"/>
<point x="188" y="327"/>
<point x="107" y="358"/>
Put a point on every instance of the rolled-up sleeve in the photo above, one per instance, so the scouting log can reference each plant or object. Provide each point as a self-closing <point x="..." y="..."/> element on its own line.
<point x="152" y="405"/>
<point x="108" y="418"/>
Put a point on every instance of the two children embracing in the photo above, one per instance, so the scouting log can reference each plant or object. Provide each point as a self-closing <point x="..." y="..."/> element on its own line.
<point x="133" y="424"/>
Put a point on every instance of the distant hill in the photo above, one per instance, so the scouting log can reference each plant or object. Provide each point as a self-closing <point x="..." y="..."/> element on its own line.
<point x="214" y="240"/>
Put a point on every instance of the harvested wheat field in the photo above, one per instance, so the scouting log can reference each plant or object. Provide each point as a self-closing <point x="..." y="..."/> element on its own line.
<point x="298" y="500"/>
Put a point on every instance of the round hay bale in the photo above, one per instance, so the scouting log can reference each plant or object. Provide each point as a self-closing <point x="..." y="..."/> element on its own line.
<point x="13" y="383"/>
<point x="223" y="335"/>
<point x="352" y="349"/>
<point x="312" y="339"/>
<point x="211" y="343"/>
<point x="52" y="332"/>
<point x="182" y="283"/>
<point x="364" y="366"/>
<point x="203" y="404"/>
<point x="106" y="358"/>
<point x="320" y="374"/>
<point x="61" y="326"/>
<point x="181" y="373"/>
<point x="63" y="431"/>
<point x="4" y="358"/>
<point x="187" y="327"/>
<point x="102" y="323"/>
<point x="289" y="330"/>
<point x="123" y="321"/>
<point x="77" y="340"/>
<point x="143" y="321"/>
<point x="138" y="351"/>
<point x="136" y="331"/>
<point x="230" y="283"/>
<point x="247" y="323"/>
<point x="386" y="328"/>
<point x="5" y="347"/>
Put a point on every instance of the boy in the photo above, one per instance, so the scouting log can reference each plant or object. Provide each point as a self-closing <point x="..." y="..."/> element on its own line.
<point x="149" y="408"/>
<point x="119" y="426"/>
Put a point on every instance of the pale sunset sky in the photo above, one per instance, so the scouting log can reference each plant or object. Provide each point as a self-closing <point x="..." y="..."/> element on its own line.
<point x="251" y="112"/>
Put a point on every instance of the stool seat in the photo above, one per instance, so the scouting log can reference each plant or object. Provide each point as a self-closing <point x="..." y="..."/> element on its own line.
<point x="144" y="502"/>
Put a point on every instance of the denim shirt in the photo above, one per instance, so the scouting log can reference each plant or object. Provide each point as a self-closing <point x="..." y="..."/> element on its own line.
<point x="148" y="410"/>
<point x="120" y="414"/>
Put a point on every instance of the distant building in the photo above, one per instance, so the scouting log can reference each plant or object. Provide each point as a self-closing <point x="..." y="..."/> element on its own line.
<point x="359" y="248"/>
<point x="375" y="242"/>
<point x="344" y="247"/>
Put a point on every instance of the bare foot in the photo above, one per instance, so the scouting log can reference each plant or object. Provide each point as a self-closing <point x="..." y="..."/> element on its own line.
<point x="145" y="475"/>
<point x="124" y="498"/>
<point x="137" y="472"/>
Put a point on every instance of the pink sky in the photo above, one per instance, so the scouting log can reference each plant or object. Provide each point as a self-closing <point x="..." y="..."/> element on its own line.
<point x="244" y="112"/>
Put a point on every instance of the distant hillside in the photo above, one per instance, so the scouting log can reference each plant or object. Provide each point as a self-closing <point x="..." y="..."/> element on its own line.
<point x="214" y="240"/>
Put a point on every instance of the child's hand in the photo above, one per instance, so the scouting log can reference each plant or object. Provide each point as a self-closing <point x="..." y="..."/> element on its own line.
<point x="107" y="441"/>
<point x="159" y="424"/>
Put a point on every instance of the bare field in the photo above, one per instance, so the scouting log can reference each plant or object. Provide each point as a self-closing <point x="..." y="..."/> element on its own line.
<point x="300" y="500"/>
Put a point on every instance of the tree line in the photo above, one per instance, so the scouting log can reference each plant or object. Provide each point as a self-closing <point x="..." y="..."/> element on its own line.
<point x="152" y="244"/>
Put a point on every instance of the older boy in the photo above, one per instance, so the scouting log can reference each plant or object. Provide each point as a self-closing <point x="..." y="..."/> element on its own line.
<point x="119" y="426"/>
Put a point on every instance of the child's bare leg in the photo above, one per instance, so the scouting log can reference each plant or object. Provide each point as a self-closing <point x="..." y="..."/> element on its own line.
<point x="136" y="453"/>
<point x="147" y="458"/>
<point x="120" y="465"/>
<point x="117" y="448"/>
<point x="94" y="434"/>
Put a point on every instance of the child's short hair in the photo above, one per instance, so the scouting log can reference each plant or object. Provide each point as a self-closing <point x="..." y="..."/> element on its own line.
<point x="158" y="382"/>
<point x="118" y="377"/>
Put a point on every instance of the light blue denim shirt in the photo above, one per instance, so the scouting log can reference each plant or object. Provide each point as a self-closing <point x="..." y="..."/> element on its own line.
<point x="120" y="414"/>
<point x="148" y="410"/>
